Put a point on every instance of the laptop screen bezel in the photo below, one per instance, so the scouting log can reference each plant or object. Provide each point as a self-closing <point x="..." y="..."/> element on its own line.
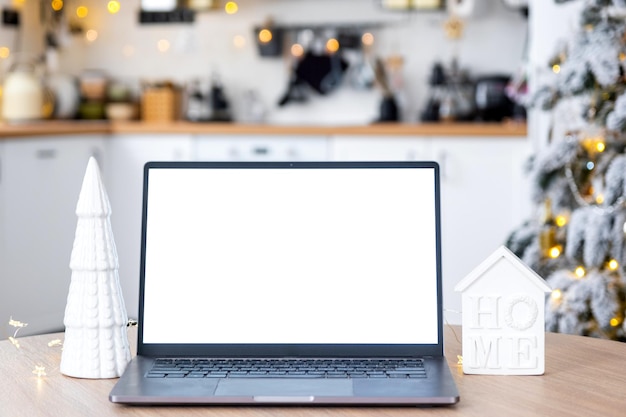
<point x="291" y="350"/>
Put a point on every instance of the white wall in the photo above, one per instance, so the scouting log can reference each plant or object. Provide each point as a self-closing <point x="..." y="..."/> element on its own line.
<point x="493" y="42"/>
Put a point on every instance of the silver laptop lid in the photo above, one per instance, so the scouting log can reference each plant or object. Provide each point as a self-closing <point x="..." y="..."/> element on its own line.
<point x="291" y="259"/>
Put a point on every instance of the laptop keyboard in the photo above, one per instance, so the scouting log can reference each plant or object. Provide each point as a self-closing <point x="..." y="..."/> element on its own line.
<point x="287" y="368"/>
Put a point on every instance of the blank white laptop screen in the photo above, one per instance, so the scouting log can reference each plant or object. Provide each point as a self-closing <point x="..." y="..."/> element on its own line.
<point x="339" y="256"/>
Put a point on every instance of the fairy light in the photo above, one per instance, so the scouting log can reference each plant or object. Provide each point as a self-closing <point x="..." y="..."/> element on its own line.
<point x="297" y="50"/>
<point x="40" y="371"/>
<point x="113" y="6"/>
<point x="367" y="39"/>
<point x="56" y="5"/>
<point x="590" y="166"/>
<point x="231" y="7"/>
<point x="622" y="56"/>
<point x="18" y="326"/>
<point x="556" y="295"/>
<point x="239" y="41"/>
<point x="82" y="12"/>
<point x="332" y="45"/>
<point x="4" y="52"/>
<point x="265" y="35"/>
<point x="600" y="146"/>
<point x="613" y="265"/>
<point x="556" y="68"/>
<point x="560" y="220"/>
<point x="91" y="35"/>
<point x="599" y="199"/>
<point x="554" y="252"/>
<point x="55" y="343"/>
<point x="580" y="272"/>
<point x="163" y="45"/>
<point x="615" y="321"/>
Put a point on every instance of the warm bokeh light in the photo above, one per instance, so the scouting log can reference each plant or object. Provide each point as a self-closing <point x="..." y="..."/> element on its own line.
<point x="297" y="50"/>
<point x="56" y="5"/>
<point x="163" y="45"/>
<point x="265" y="35"/>
<point x="239" y="41"/>
<point x="82" y="12"/>
<point x="113" y="6"/>
<point x="615" y="321"/>
<point x="622" y="56"/>
<point x="556" y="295"/>
<point x="91" y="35"/>
<point x="613" y="265"/>
<point x="556" y="68"/>
<point x="332" y="45"/>
<point x="555" y="252"/>
<point x="580" y="272"/>
<point x="599" y="199"/>
<point x="4" y="52"/>
<point x="367" y="39"/>
<point x="560" y="220"/>
<point x="600" y="146"/>
<point x="231" y="7"/>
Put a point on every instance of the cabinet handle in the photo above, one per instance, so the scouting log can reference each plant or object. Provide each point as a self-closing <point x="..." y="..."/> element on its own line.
<point x="46" y="153"/>
<point x="260" y="150"/>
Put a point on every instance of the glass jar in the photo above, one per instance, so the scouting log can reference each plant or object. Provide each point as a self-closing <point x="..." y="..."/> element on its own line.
<point x="23" y="96"/>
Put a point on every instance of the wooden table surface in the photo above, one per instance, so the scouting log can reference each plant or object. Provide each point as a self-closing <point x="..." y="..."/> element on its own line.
<point x="584" y="377"/>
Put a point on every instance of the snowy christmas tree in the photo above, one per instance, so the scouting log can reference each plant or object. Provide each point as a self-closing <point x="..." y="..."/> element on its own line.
<point x="578" y="242"/>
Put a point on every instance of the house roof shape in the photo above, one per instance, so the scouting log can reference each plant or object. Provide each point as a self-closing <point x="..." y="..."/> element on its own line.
<point x="497" y="255"/>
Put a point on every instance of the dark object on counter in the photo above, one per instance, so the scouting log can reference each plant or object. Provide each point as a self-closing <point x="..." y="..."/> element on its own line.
<point x="437" y="75"/>
<point x="219" y="105"/>
<point x="431" y="111"/>
<point x="389" y="110"/>
<point x="491" y="101"/>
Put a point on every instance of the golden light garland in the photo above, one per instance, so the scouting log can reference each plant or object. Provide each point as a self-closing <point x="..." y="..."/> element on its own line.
<point x="40" y="370"/>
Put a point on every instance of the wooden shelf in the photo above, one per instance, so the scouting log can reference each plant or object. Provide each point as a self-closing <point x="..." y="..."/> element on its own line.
<point x="55" y="128"/>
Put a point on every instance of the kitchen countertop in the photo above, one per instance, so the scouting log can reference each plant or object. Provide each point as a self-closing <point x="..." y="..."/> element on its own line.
<point x="59" y="127"/>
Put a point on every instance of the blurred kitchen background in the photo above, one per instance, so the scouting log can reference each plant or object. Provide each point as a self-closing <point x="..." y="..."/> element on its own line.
<point x="431" y="56"/>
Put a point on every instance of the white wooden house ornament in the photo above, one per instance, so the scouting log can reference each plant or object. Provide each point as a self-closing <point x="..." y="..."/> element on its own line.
<point x="503" y="317"/>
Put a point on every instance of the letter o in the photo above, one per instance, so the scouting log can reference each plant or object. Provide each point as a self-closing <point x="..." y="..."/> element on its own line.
<point x="532" y="316"/>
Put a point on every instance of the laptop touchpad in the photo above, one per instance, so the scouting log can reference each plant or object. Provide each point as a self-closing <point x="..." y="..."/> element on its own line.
<point x="284" y="387"/>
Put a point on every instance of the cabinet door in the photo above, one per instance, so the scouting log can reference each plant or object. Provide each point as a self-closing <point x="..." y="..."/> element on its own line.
<point x="484" y="196"/>
<point x="378" y="148"/>
<point x="261" y="148"/>
<point x="126" y="156"/>
<point x="41" y="181"/>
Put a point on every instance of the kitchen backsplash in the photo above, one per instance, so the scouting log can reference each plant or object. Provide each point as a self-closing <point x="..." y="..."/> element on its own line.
<point x="221" y="46"/>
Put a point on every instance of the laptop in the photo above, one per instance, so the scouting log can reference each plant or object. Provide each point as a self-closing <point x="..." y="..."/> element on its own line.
<point x="290" y="283"/>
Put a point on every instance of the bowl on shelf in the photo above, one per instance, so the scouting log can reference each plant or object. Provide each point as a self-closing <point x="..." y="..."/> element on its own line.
<point x="121" y="111"/>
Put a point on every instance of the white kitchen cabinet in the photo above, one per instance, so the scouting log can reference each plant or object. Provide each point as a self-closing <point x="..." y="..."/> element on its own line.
<point x="41" y="179"/>
<point x="484" y="196"/>
<point x="484" y="192"/>
<point x="378" y="148"/>
<point x="126" y="156"/>
<point x="261" y="148"/>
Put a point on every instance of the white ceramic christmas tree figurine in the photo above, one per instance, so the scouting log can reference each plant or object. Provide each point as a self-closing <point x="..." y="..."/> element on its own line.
<point x="96" y="342"/>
